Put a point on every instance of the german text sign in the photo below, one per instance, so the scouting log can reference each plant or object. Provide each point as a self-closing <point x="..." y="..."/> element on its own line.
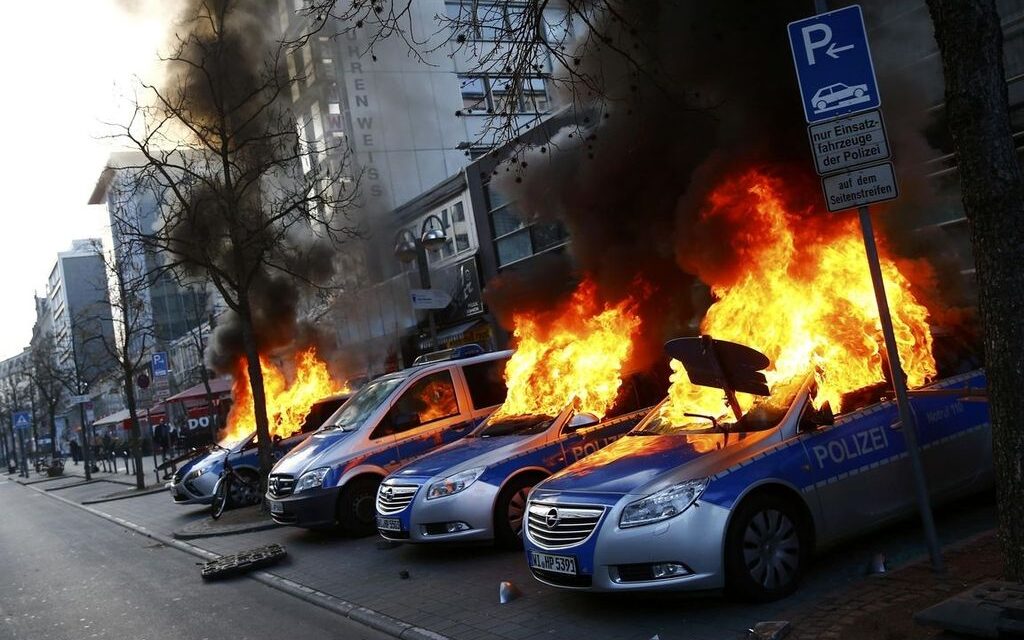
<point x="848" y="142"/>
<point x="860" y="187"/>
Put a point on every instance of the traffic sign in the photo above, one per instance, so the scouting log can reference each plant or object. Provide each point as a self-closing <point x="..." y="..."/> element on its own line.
<point x="860" y="187"/>
<point x="429" y="299"/>
<point x="848" y="142"/>
<point x="78" y="399"/>
<point x="160" y="367"/>
<point x="833" y="64"/>
<point x="22" y="420"/>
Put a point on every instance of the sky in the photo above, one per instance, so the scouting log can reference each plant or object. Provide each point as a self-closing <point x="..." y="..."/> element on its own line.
<point x="68" y="64"/>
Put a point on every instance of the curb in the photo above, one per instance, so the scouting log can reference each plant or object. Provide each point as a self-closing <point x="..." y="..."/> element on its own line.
<point x="363" y="615"/>
<point x="69" y="486"/>
<point x="226" y="531"/>
<point x="146" y="492"/>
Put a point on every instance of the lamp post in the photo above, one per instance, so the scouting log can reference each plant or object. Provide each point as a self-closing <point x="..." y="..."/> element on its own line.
<point x="408" y="248"/>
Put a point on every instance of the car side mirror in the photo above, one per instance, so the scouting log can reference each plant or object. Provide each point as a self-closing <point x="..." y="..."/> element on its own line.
<point x="817" y="418"/>
<point x="581" y="421"/>
<point x="277" y="438"/>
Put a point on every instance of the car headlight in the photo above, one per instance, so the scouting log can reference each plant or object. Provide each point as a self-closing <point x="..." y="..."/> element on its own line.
<point x="195" y="473"/>
<point x="454" y="483"/>
<point x="313" y="479"/>
<point x="664" y="504"/>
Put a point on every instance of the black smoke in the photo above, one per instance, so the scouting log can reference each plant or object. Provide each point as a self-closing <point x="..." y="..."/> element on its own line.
<point x="688" y="93"/>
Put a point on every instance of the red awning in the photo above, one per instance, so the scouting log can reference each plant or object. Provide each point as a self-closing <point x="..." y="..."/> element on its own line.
<point x="218" y="386"/>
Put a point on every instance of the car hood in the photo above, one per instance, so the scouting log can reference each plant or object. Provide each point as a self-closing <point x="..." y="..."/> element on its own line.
<point x="632" y="462"/>
<point x="318" y="450"/>
<point x="464" y="454"/>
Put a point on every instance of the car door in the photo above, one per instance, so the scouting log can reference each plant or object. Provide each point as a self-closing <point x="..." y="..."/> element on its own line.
<point x="432" y="411"/>
<point x="859" y="471"/>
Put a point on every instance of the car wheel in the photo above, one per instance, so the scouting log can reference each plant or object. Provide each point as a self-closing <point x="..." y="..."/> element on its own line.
<point x="357" y="508"/>
<point x="766" y="548"/>
<point x="510" y="512"/>
<point x="220" y="498"/>
<point x="858" y="93"/>
<point x="821" y="105"/>
<point x="245" y="492"/>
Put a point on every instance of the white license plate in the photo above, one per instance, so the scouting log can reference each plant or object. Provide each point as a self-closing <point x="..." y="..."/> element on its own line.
<point x="276" y="507"/>
<point x="557" y="564"/>
<point x="389" y="524"/>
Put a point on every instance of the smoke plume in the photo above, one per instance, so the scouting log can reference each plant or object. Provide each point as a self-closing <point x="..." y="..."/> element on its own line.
<point x="688" y="94"/>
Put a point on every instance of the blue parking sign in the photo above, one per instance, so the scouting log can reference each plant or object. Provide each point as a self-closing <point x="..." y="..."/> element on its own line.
<point x="833" y="64"/>
<point x="160" y="368"/>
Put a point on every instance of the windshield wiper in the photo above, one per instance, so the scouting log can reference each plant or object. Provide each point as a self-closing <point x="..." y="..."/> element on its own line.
<point x="714" y="421"/>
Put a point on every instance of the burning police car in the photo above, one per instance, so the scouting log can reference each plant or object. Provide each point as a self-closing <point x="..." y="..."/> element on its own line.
<point x="476" y="488"/>
<point x="196" y="481"/>
<point x="689" y="500"/>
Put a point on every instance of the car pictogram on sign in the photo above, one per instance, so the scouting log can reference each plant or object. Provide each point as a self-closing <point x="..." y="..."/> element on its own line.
<point x="838" y="95"/>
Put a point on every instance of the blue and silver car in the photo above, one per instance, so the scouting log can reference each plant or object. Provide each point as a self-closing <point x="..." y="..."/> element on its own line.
<point x="196" y="481"/>
<point x="476" y="488"/>
<point x="331" y="479"/>
<point x="742" y="504"/>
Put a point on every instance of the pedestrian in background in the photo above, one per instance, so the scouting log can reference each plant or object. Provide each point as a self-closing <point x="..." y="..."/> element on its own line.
<point x="75" y="451"/>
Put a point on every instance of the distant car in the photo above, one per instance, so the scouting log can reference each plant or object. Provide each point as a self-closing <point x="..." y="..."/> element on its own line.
<point x="829" y="97"/>
<point x="475" y="488"/>
<point x="705" y="503"/>
<point x="196" y="481"/>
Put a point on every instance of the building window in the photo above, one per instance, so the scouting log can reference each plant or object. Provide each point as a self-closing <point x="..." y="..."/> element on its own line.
<point x="489" y="94"/>
<point x="517" y="239"/>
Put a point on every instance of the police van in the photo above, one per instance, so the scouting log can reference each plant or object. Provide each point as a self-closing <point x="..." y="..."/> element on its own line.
<point x="331" y="479"/>
<point x="706" y="503"/>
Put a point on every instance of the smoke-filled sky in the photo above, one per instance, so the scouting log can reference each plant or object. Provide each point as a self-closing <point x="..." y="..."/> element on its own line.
<point x="65" y="63"/>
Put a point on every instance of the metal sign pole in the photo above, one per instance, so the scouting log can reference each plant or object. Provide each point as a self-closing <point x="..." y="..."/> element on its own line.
<point x="24" y="454"/>
<point x="899" y="384"/>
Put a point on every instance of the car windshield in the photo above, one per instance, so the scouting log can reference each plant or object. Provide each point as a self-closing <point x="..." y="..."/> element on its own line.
<point x="514" y="426"/>
<point x="765" y="413"/>
<point x="360" y="406"/>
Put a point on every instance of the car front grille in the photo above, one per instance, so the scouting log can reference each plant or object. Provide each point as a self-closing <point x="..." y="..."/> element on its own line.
<point x="555" y="526"/>
<point x="281" y="485"/>
<point x="562" y="579"/>
<point x="392" y="498"/>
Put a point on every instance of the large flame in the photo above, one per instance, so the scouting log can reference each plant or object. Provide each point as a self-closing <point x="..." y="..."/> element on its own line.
<point x="575" y="352"/>
<point x="288" y="404"/>
<point x="805" y="300"/>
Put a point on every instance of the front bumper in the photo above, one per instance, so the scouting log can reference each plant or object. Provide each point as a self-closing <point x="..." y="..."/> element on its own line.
<point x="425" y="521"/>
<point x="308" y="509"/>
<point x="625" y="559"/>
<point x="197" y="491"/>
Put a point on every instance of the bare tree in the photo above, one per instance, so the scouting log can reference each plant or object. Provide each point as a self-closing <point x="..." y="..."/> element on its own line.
<point x="970" y="41"/>
<point x="128" y="345"/>
<point x="50" y="382"/>
<point x="247" y="199"/>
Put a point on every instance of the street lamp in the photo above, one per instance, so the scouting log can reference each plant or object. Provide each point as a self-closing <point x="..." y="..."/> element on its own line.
<point x="408" y="248"/>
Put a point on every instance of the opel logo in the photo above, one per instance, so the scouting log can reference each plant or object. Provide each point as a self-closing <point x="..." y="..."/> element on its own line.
<point x="389" y="493"/>
<point x="273" y="485"/>
<point x="551" y="519"/>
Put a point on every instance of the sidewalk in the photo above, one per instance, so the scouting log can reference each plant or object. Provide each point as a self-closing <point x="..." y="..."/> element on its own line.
<point x="882" y="606"/>
<point x="453" y="591"/>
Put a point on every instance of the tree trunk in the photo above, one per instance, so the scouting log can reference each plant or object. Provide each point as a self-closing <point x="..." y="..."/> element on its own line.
<point x="970" y="41"/>
<point x="52" y="420"/>
<point x="259" y="398"/>
<point x="136" y="443"/>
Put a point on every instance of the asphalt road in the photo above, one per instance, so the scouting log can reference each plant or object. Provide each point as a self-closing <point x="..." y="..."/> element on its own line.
<point x="68" y="575"/>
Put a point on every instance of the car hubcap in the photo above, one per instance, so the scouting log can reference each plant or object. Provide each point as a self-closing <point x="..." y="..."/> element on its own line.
<point x="771" y="549"/>
<point x="365" y="508"/>
<point x="517" y="509"/>
<point x="242" y="493"/>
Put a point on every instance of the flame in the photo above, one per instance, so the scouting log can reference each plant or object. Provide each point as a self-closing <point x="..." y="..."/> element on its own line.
<point x="574" y="352"/>
<point x="805" y="300"/>
<point x="287" y="404"/>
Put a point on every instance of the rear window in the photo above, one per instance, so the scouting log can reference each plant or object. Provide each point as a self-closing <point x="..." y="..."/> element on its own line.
<point x="486" y="382"/>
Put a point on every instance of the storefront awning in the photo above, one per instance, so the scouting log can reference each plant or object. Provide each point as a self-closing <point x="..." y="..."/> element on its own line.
<point x="218" y="386"/>
<point x="115" y="418"/>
